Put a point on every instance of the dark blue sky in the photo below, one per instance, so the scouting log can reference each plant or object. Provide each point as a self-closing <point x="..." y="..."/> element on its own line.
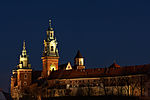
<point x="103" y="31"/>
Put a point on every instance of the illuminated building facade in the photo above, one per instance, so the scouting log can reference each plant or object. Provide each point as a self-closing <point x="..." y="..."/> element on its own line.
<point x="22" y="76"/>
<point x="50" y="54"/>
<point x="75" y="80"/>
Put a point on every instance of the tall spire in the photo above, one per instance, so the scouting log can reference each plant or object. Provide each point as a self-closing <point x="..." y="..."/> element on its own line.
<point x="24" y="45"/>
<point x="24" y="52"/>
<point x="24" y="61"/>
<point x="50" y="25"/>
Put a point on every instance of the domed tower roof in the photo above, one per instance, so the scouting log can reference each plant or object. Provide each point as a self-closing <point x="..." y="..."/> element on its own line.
<point x="78" y="55"/>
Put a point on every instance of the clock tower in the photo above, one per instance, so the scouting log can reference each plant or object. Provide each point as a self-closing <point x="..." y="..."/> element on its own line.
<point x="50" y="55"/>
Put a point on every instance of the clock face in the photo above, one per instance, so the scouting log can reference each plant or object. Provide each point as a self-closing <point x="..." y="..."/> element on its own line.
<point x="52" y="67"/>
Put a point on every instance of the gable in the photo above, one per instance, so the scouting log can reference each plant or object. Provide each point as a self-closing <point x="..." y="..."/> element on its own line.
<point x="68" y="66"/>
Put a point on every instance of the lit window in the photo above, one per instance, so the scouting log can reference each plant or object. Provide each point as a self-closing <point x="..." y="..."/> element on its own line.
<point x="52" y="48"/>
<point x="80" y="62"/>
<point x="52" y="67"/>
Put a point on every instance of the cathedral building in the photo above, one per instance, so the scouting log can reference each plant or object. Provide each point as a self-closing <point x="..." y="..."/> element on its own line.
<point x="75" y="80"/>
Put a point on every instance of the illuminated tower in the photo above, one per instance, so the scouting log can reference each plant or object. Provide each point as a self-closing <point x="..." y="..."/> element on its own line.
<point x="22" y="76"/>
<point x="50" y="54"/>
<point x="24" y="61"/>
<point x="79" y="61"/>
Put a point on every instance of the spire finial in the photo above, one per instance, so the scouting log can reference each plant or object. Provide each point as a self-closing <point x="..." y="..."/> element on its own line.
<point x="24" y="45"/>
<point x="50" y="23"/>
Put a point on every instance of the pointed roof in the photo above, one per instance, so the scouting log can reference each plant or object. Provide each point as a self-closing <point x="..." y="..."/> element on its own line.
<point x="24" y="45"/>
<point x="50" y="26"/>
<point x="63" y="66"/>
<point x="24" y="52"/>
<point x="114" y="65"/>
<point x="78" y="55"/>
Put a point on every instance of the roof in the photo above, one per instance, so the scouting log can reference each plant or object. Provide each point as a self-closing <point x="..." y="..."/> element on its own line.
<point x="100" y="72"/>
<point x="35" y="75"/>
<point x="114" y="65"/>
<point x="78" y="55"/>
<point x="63" y="66"/>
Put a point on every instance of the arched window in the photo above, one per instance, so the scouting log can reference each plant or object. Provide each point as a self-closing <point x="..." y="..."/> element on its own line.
<point x="52" y="48"/>
<point x="52" y="67"/>
<point x="51" y="34"/>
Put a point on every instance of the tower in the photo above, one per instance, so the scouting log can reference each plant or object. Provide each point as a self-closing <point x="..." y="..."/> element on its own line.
<point x="79" y="61"/>
<point x="24" y="60"/>
<point x="24" y="71"/>
<point x="50" y="54"/>
<point x="22" y="76"/>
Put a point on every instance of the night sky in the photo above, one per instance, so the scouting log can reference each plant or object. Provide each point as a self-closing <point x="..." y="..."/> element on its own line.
<point x="103" y="31"/>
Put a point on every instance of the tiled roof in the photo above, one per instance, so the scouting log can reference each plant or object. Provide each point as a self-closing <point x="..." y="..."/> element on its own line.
<point x="62" y="66"/>
<point x="100" y="72"/>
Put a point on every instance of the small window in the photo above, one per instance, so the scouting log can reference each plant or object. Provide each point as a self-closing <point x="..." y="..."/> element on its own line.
<point x="25" y="83"/>
<point x="25" y="76"/>
<point x="51" y="35"/>
<point x="52" y="48"/>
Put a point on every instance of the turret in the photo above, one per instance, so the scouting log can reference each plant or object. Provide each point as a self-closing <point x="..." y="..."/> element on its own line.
<point x="79" y="61"/>
<point x="21" y="77"/>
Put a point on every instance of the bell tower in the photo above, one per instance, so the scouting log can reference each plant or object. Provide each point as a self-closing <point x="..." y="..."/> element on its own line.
<point x="21" y="76"/>
<point x="50" y="55"/>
